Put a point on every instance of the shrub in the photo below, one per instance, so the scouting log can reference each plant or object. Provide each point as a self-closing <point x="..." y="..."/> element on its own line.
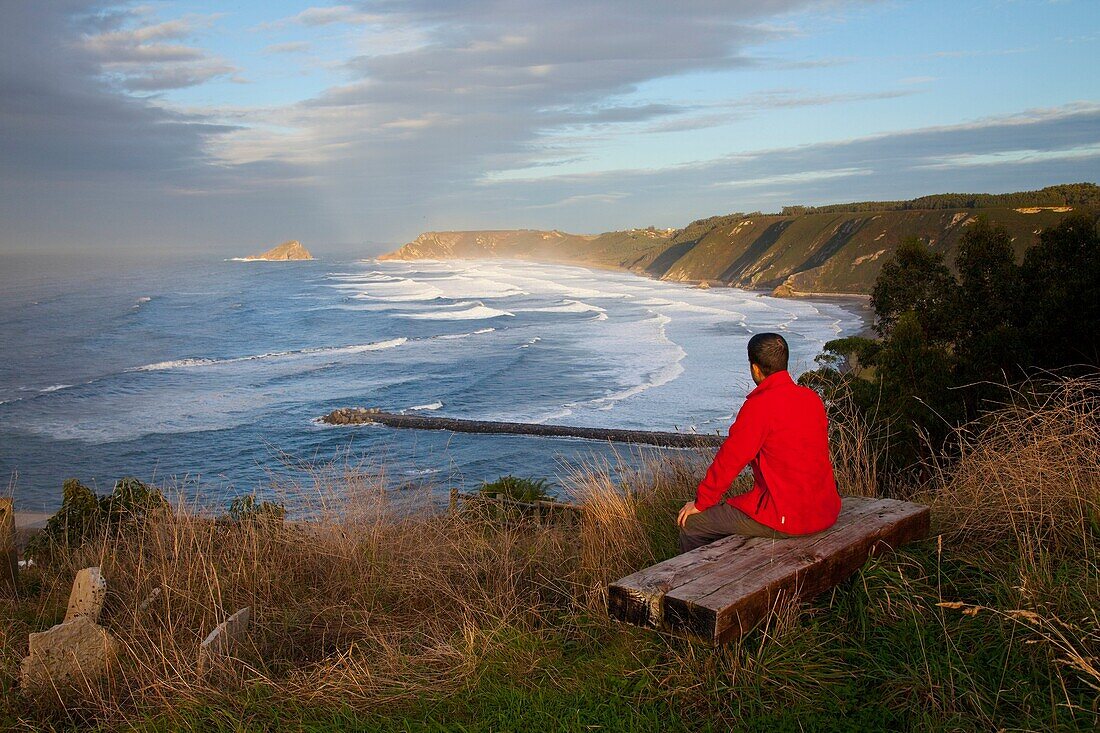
<point x="517" y="489"/>
<point x="84" y="515"/>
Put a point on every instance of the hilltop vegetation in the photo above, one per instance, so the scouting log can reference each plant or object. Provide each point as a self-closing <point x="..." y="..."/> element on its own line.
<point x="953" y="341"/>
<point x="812" y="250"/>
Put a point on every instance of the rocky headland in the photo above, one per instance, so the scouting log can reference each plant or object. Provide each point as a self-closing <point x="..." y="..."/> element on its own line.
<point x="290" y="250"/>
<point x="802" y="251"/>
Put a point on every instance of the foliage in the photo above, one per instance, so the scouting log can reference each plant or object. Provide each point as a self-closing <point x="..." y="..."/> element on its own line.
<point x="517" y="488"/>
<point x="952" y="344"/>
<point x="84" y="515"/>
<point x="245" y="508"/>
<point x="916" y="280"/>
<point x="1083" y="195"/>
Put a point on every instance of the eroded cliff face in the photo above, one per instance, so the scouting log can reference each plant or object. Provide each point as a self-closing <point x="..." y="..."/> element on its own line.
<point x="291" y="250"/>
<point x="794" y="254"/>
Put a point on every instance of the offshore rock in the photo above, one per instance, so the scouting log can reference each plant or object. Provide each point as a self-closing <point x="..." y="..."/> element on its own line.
<point x="291" y="250"/>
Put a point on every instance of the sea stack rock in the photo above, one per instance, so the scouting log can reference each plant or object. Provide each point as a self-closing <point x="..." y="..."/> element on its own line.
<point x="292" y="250"/>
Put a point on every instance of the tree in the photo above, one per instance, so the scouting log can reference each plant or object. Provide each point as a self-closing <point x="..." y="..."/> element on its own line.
<point x="915" y="280"/>
<point x="1059" y="305"/>
<point x="986" y="343"/>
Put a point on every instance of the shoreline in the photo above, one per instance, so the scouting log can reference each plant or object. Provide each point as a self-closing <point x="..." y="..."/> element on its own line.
<point x="861" y="302"/>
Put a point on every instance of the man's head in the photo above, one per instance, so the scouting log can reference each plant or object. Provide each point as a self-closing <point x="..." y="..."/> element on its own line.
<point x="768" y="354"/>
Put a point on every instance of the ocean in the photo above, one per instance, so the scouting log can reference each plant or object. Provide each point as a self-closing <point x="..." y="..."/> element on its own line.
<point x="209" y="376"/>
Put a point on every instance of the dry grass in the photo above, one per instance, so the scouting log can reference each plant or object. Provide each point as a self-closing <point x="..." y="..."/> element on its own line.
<point x="1028" y="477"/>
<point x="853" y="447"/>
<point x="366" y="602"/>
<point x="1026" y="490"/>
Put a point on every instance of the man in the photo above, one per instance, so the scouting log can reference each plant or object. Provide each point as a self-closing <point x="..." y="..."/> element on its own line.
<point x="782" y="432"/>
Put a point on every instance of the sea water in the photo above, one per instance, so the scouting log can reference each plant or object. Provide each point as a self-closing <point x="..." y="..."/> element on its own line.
<point x="211" y="375"/>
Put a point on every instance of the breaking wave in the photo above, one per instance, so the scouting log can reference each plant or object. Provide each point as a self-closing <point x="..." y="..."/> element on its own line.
<point x="326" y="350"/>
<point x="462" y="312"/>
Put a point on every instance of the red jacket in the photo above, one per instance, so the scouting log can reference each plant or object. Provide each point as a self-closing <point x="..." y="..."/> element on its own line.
<point x="782" y="432"/>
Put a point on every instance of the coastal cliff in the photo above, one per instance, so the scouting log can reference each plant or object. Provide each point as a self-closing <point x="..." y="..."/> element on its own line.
<point x="826" y="250"/>
<point x="291" y="250"/>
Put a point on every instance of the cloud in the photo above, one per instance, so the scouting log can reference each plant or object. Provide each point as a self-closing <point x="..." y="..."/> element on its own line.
<point x="139" y="54"/>
<point x="449" y="114"/>
<point x="336" y="14"/>
<point x="163" y="77"/>
<point x="792" y="178"/>
<point x="1012" y="152"/>
<point x="492" y="87"/>
<point x="84" y="165"/>
<point x="288" y="47"/>
<point x="326" y="15"/>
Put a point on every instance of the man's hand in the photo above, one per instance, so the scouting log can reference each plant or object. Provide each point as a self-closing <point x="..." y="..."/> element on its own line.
<point x="686" y="512"/>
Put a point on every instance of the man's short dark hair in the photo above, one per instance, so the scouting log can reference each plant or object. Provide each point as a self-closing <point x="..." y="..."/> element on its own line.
<point x="769" y="352"/>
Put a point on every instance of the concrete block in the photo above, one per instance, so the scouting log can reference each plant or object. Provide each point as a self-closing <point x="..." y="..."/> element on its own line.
<point x="87" y="596"/>
<point x="73" y="651"/>
<point x="219" y="643"/>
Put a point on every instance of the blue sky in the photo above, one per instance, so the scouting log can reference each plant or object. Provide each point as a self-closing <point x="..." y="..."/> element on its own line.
<point x="223" y="127"/>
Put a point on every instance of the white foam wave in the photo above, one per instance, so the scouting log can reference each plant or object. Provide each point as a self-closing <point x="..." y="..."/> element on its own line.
<point x="395" y="289"/>
<point x="449" y="336"/>
<point x="663" y="375"/>
<point x="471" y="286"/>
<point x="55" y="387"/>
<point x="174" y="364"/>
<point x="472" y="311"/>
<point x="568" y="306"/>
<point x="430" y="406"/>
<point x="374" y="276"/>
<point x="326" y="350"/>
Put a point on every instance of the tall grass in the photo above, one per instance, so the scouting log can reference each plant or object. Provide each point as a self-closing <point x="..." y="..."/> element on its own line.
<point x="1028" y="477"/>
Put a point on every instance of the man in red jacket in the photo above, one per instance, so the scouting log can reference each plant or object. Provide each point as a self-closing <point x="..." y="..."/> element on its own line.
<point x="782" y="433"/>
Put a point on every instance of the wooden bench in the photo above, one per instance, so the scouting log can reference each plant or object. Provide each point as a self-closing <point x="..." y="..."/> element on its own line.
<point x="718" y="592"/>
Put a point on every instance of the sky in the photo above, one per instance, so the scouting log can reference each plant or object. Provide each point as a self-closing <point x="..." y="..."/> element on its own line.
<point x="226" y="127"/>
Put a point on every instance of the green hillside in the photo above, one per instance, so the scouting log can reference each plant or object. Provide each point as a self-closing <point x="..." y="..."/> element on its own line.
<point x="811" y="250"/>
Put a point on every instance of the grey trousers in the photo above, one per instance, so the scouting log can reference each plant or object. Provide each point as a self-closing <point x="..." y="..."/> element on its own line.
<point x="721" y="521"/>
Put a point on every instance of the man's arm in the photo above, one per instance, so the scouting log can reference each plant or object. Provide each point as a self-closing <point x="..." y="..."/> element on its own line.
<point x="746" y="436"/>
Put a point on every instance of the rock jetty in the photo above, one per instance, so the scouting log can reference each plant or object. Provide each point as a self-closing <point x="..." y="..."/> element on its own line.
<point x="361" y="415"/>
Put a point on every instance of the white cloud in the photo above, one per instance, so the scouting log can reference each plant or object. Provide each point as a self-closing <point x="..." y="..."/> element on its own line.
<point x="139" y="54"/>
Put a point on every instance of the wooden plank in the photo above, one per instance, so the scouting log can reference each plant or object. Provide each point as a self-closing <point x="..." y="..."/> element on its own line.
<point x="818" y="565"/>
<point x="718" y="592"/>
<point x="767" y="552"/>
<point x="639" y="598"/>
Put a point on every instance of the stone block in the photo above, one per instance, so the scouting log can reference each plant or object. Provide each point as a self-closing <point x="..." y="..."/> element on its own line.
<point x="73" y="651"/>
<point x="88" y="594"/>
<point x="219" y="643"/>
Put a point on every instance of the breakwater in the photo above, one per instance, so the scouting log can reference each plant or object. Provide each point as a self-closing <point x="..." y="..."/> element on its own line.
<point x="361" y="415"/>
